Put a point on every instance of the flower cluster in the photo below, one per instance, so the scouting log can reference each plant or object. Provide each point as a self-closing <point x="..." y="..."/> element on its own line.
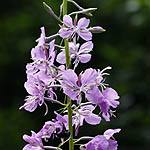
<point x="86" y="90"/>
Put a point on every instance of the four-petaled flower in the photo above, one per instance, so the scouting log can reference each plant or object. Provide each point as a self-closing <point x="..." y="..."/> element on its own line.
<point x="55" y="126"/>
<point x="78" y="54"/>
<point x="79" y="28"/>
<point x="105" y="99"/>
<point x="36" y="90"/>
<point x="85" y="113"/>
<point x="73" y="85"/>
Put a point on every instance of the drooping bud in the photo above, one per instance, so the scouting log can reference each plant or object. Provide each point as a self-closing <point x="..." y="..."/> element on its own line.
<point x="51" y="12"/>
<point x="97" y="29"/>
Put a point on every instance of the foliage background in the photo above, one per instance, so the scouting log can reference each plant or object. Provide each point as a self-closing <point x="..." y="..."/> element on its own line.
<point x="125" y="47"/>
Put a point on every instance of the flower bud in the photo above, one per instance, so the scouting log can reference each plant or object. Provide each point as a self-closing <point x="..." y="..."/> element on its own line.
<point x="97" y="29"/>
<point x="50" y="11"/>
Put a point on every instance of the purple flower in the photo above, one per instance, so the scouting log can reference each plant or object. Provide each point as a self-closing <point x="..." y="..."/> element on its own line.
<point x="74" y="85"/>
<point x="102" y="142"/>
<point x="40" y="50"/>
<point x="43" y="51"/>
<point x="54" y="126"/>
<point x="109" y="99"/>
<point x="72" y="29"/>
<point x="35" y="89"/>
<point x="105" y="99"/>
<point x="35" y="142"/>
<point x="78" y="54"/>
<point x="49" y="128"/>
<point x="43" y="58"/>
<point x="85" y="113"/>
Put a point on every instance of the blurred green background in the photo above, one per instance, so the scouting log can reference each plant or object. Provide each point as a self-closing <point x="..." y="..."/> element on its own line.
<point x="125" y="47"/>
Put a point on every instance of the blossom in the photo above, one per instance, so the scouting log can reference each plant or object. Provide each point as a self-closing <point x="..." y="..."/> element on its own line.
<point x="78" y="54"/>
<point x="43" y="50"/>
<point x="72" y="29"/>
<point x="55" y="126"/>
<point x="49" y="128"/>
<point x="36" y="90"/>
<point x="109" y="99"/>
<point x="105" y="99"/>
<point x="73" y="85"/>
<point x="85" y="113"/>
<point x="43" y="58"/>
<point x="102" y="142"/>
<point x="35" y="142"/>
<point x="39" y="50"/>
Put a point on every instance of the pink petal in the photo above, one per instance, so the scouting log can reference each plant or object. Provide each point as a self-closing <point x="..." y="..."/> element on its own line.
<point x="72" y="94"/>
<point x="68" y="21"/>
<point x="88" y="46"/>
<point x="84" y="58"/>
<point x="93" y="119"/>
<point x="113" y="103"/>
<point x="65" y="33"/>
<point x="70" y="78"/>
<point x="89" y="76"/>
<point x="52" y="46"/>
<point x="85" y="34"/>
<point x="83" y="23"/>
<point x="73" y="47"/>
<point x="110" y="94"/>
<point x="88" y="107"/>
<point x="112" y="144"/>
<point x="110" y="132"/>
<point x="106" y="116"/>
<point x="61" y="58"/>
<point x="41" y="40"/>
<point x="94" y="95"/>
<point x="31" y="89"/>
<point x="29" y="105"/>
<point x="37" y="53"/>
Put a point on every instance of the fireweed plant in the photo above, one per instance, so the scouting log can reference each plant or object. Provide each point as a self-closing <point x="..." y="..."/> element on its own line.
<point x="84" y="92"/>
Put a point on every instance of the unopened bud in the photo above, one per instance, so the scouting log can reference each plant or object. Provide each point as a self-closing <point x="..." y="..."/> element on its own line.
<point x="51" y="12"/>
<point x="97" y="29"/>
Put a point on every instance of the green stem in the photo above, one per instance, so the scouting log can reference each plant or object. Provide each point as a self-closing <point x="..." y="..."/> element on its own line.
<point x="71" y="145"/>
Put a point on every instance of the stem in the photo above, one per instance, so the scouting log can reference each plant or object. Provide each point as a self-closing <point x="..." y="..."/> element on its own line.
<point x="54" y="101"/>
<point x="71" y="145"/>
<point x="82" y="104"/>
<point x="51" y="147"/>
<point x="84" y="138"/>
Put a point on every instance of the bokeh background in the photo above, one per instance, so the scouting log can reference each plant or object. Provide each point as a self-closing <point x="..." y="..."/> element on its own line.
<point x="125" y="46"/>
